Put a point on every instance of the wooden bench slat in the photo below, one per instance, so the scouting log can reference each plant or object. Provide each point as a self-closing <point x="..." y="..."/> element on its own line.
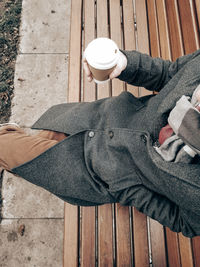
<point x="123" y="236"/>
<point x="141" y="249"/>
<point x="129" y="35"/>
<point x="157" y="244"/>
<point x="71" y="231"/>
<point x="89" y="88"/>
<point x="88" y="234"/>
<point x="196" y="250"/>
<point x="140" y="232"/>
<point x="163" y="30"/>
<point x="197" y="8"/>
<point x="116" y="36"/>
<point x="88" y="245"/>
<point x="142" y="34"/>
<point x="142" y="28"/>
<point x="173" y="253"/>
<point x="188" y="25"/>
<point x="185" y="251"/>
<point x="174" y="29"/>
<point x="103" y="90"/>
<point x="105" y="230"/>
<point x="105" y="236"/>
<point x="71" y="221"/>
<point x="74" y="77"/>
<point x="128" y="25"/>
<point x="153" y="29"/>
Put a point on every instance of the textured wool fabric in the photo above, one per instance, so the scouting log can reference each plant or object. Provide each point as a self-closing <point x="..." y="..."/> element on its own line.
<point x="110" y="155"/>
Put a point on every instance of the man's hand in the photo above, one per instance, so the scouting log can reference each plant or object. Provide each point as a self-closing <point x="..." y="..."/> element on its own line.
<point x="121" y="65"/>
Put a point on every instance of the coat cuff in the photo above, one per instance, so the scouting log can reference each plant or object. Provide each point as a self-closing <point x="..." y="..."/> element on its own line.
<point x="133" y="58"/>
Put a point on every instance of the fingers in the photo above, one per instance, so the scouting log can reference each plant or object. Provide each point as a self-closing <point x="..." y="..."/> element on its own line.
<point x="121" y="65"/>
<point x="87" y="70"/>
<point x="116" y="72"/>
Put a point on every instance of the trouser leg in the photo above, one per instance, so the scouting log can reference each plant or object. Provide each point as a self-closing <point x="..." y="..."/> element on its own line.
<point x="17" y="147"/>
<point x="52" y="135"/>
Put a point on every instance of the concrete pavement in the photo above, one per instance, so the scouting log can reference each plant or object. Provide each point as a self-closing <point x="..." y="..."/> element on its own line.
<point x="31" y="232"/>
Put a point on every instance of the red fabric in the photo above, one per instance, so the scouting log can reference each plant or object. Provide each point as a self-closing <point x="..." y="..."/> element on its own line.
<point x="198" y="107"/>
<point x="165" y="133"/>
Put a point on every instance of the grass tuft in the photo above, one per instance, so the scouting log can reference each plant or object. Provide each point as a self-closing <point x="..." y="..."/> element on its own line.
<point x="9" y="40"/>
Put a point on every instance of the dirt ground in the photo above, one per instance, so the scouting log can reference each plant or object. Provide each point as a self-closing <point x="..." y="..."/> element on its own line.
<point x="10" y="13"/>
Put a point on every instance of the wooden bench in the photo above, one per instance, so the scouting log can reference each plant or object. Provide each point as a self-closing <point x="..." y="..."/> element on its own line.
<point x="112" y="235"/>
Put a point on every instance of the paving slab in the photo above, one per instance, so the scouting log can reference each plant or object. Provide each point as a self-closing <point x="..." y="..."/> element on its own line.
<point x="40" y="82"/>
<point x="45" y="26"/>
<point x="22" y="199"/>
<point x="29" y="243"/>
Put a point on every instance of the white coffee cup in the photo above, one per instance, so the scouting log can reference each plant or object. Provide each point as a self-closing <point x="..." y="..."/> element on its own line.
<point x="102" y="55"/>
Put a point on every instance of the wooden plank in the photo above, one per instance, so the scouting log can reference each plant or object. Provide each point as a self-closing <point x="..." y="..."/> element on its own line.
<point x="196" y="250"/>
<point x="142" y="27"/>
<point x="71" y="231"/>
<point x="173" y="252"/>
<point x="123" y="236"/>
<point x="141" y="250"/>
<point x="70" y="251"/>
<point x="88" y="233"/>
<point x="195" y="5"/>
<point x="129" y="35"/>
<point x="89" y="88"/>
<point x="142" y="34"/>
<point x="74" y="79"/>
<point x="185" y="251"/>
<point x="103" y="90"/>
<point x="194" y="14"/>
<point x="140" y="233"/>
<point x="157" y="244"/>
<point x="88" y="237"/>
<point x="174" y="29"/>
<point x="116" y="36"/>
<point x="153" y="29"/>
<point x="105" y="236"/>
<point x="163" y="30"/>
<point x="128" y="25"/>
<point x="105" y="232"/>
<point x="188" y="25"/>
<point x="197" y="8"/>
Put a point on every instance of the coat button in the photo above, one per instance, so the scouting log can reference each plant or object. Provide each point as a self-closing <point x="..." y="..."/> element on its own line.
<point x="111" y="134"/>
<point x="144" y="138"/>
<point x="91" y="134"/>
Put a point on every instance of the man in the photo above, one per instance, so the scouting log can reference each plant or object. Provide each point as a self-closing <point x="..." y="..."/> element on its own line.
<point x="110" y="153"/>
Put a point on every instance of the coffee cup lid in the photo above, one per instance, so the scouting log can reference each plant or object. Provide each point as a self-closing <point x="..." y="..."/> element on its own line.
<point x="102" y="53"/>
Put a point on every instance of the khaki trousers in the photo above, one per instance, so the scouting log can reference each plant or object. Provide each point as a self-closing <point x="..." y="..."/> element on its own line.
<point x="17" y="147"/>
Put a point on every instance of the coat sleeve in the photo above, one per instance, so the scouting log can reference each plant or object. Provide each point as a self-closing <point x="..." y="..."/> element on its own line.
<point x="160" y="208"/>
<point x="151" y="73"/>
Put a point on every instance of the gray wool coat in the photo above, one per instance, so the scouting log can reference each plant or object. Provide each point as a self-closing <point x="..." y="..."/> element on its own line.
<point x="110" y="156"/>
